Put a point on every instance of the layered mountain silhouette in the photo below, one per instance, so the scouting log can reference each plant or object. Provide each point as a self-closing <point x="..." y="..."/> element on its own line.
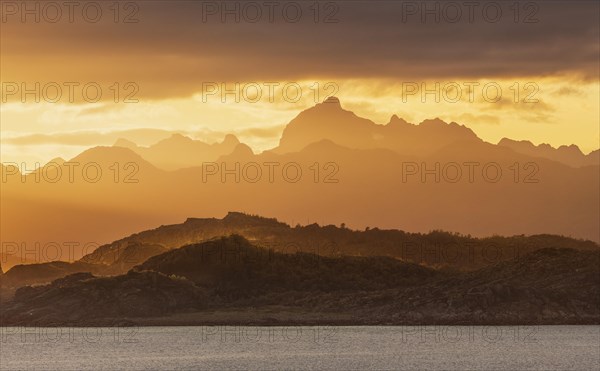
<point x="568" y="155"/>
<point x="436" y="250"/>
<point x="179" y="151"/>
<point x="42" y="273"/>
<point x="330" y="167"/>
<point x="230" y="281"/>
<point x="328" y="120"/>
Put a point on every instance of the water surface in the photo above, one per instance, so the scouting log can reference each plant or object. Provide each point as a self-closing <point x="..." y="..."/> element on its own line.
<point x="310" y="347"/>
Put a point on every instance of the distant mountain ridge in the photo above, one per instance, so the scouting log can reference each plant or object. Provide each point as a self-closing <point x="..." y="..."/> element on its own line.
<point x="446" y="181"/>
<point x="328" y="120"/>
<point x="179" y="151"/>
<point x="568" y="155"/>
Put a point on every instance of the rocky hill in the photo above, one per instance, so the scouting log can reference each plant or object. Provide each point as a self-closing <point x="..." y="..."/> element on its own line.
<point x="82" y="299"/>
<point x="437" y="249"/>
<point x="230" y="281"/>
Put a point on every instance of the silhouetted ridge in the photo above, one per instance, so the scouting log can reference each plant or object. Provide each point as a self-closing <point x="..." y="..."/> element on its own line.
<point x="234" y="268"/>
<point x="569" y="155"/>
<point x="29" y="274"/>
<point x="331" y="240"/>
<point x="397" y="121"/>
<point x="437" y="249"/>
<point x="179" y="151"/>
<point x="122" y="142"/>
<point x="332" y="101"/>
<point x="328" y="120"/>
<point x="238" y="218"/>
<point x="230" y="275"/>
<point x="82" y="298"/>
<point x="230" y="140"/>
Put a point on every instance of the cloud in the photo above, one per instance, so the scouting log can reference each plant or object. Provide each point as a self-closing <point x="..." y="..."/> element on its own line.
<point x="568" y="91"/>
<point x="171" y="51"/>
<point x="88" y="138"/>
<point x="263" y="133"/>
<point x="472" y="119"/>
<point x="144" y="137"/>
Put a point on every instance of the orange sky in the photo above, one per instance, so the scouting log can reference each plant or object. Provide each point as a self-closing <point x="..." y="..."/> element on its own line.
<point x="372" y="55"/>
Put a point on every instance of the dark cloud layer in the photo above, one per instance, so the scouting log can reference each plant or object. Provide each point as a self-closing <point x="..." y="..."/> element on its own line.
<point x="172" y="50"/>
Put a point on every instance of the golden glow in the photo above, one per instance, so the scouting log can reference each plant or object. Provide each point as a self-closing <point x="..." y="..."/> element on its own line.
<point x="566" y="113"/>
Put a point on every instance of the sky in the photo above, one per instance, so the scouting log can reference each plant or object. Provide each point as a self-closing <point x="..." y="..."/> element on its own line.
<point x="78" y="77"/>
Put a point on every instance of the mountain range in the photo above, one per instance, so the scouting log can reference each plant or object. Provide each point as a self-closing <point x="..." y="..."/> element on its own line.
<point x="229" y="281"/>
<point x="179" y="151"/>
<point x="331" y="167"/>
<point x="442" y="251"/>
<point x="329" y="121"/>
